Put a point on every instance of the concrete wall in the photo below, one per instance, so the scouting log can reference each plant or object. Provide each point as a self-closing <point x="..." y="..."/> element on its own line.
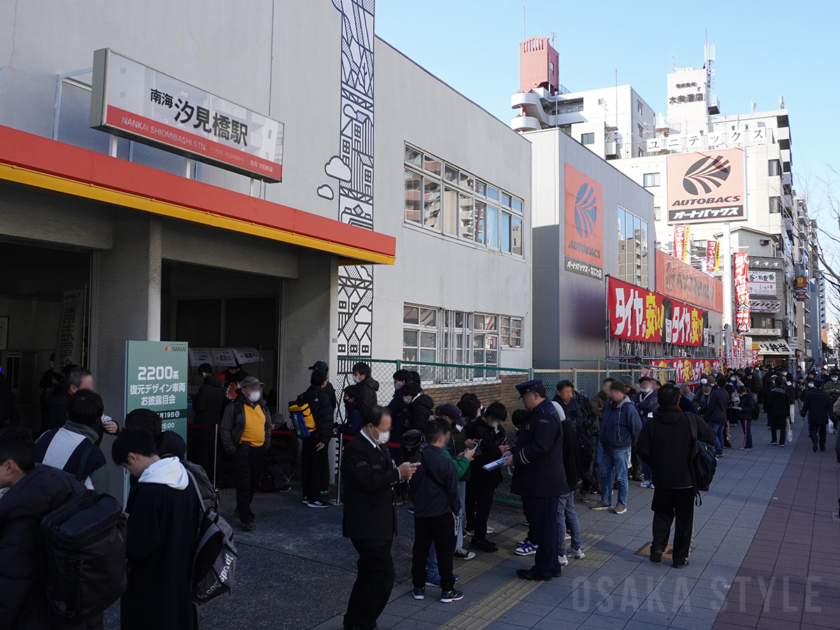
<point x="433" y="269"/>
<point x="569" y="309"/>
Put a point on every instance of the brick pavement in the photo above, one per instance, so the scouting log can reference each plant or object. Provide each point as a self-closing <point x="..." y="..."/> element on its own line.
<point x="756" y="524"/>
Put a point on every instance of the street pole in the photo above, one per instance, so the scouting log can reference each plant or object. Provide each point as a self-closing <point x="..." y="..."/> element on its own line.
<point x="727" y="292"/>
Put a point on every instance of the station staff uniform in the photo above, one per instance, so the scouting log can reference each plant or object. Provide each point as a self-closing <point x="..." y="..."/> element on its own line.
<point x="539" y="477"/>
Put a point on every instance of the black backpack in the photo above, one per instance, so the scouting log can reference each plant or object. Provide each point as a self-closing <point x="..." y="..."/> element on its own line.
<point x="84" y="556"/>
<point x="703" y="462"/>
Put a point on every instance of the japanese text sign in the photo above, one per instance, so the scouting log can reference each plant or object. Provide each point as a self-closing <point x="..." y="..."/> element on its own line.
<point x="156" y="375"/>
<point x="680" y="281"/>
<point x="584" y="223"/>
<point x="637" y="314"/>
<point x="742" y="293"/>
<point x="706" y="187"/>
<point x="132" y="100"/>
<point x="712" y="256"/>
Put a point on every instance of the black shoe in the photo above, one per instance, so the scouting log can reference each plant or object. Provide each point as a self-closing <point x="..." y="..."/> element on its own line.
<point x="526" y="574"/>
<point x="483" y="545"/>
<point x="447" y="597"/>
<point x="285" y="488"/>
<point x="814" y="445"/>
<point x="655" y="555"/>
<point x="469" y="529"/>
<point x="247" y="527"/>
<point x="680" y="564"/>
<point x="726" y="444"/>
<point x="556" y="573"/>
<point x="822" y="449"/>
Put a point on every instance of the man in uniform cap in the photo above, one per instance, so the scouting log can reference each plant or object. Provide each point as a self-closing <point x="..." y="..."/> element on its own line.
<point x="539" y="477"/>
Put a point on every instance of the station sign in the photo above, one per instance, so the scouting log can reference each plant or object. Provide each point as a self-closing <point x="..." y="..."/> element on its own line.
<point x="145" y="105"/>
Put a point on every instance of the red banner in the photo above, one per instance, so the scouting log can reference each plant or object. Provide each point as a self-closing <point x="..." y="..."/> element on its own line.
<point x="742" y="292"/>
<point x="637" y="314"/>
<point x="686" y="370"/>
<point x="679" y="241"/>
<point x="683" y="282"/>
<point x="712" y="252"/>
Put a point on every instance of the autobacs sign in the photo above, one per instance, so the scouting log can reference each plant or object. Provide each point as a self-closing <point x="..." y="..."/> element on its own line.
<point x="707" y="186"/>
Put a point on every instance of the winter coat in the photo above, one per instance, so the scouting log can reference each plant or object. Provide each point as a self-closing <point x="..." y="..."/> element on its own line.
<point x="434" y="485"/>
<point x="687" y="405"/>
<point x="538" y="455"/>
<point x="368" y="479"/>
<point x="646" y="404"/>
<point x="418" y="412"/>
<point x="209" y="402"/>
<point x="355" y="422"/>
<point x="233" y="424"/>
<point x="817" y="405"/>
<point x="665" y="444"/>
<point x="598" y="402"/>
<point x="23" y="603"/>
<point x="718" y="403"/>
<point x="621" y="425"/>
<point x="368" y="396"/>
<point x="776" y="407"/>
<point x="747" y="404"/>
<point x="487" y="452"/>
<point x="73" y="449"/>
<point x="160" y="542"/>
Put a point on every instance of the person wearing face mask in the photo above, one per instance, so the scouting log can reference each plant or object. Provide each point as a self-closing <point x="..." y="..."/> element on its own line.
<point x="816" y="407"/>
<point x="647" y="402"/>
<point x="832" y="387"/>
<point x="370" y="387"/>
<point x="418" y="407"/>
<point x="208" y="404"/>
<point x="369" y="517"/>
<point x="246" y="433"/>
<point x="314" y="459"/>
<point x="776" y="407"/>
<point x="483" y="483"/>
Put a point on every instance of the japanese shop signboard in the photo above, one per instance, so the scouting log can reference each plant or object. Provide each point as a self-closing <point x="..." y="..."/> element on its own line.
<point x="637" y="314"/>
<point x="742" y="293"/>
<point x="680" y="235"/>
<point x="680" y="281"/>
<point x="584" y="224"/>
<point x="800" y="288"/>
<point x="137" y="102"/>
<point x="685" y="370"/>
<point x="156" y="378"/>
<point x="707" y="186"/>
<point x="762" y="282"/>
<point x="71" y="329"/>
<point x="765" y="306"/>
<point x="712" y="256"/>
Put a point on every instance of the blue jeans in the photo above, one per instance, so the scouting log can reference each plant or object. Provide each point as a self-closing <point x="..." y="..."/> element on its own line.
<point x="567" y="518"/>
<point x="614" y="464"/>
<point x="596" y="462"/>
<point x="645" y="471"/>
<point x="718" y="429"/>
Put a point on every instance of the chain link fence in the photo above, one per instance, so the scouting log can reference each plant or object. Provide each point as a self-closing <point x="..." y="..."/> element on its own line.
<point x="446" y="383"/>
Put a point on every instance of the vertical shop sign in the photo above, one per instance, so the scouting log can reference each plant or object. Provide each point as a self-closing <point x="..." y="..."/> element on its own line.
<point x="584" y="223"/>
<point x="742" y="293"/>
<point x="71" y="329"/>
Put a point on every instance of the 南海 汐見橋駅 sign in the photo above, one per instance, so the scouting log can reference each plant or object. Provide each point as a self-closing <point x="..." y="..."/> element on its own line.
<point x="140" y="103"/>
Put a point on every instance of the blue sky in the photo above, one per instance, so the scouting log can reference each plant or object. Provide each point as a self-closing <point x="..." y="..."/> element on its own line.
<point x="764" y="49"/>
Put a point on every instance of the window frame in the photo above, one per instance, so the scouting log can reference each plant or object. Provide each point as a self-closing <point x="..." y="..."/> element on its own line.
<point x="587" y="136"/>
<point x="656" y="178"/>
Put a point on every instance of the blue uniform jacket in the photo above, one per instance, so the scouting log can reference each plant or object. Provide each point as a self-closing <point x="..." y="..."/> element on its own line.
<point x="816" y="406"/>
<point x="621" y="425"/>
<point x="538" y="455"/>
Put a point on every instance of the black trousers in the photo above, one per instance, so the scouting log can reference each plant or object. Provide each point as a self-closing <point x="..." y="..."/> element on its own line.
<point x="314" y="469"/>
<point x="439" y="530"/>
<point x="483" y="503"/>
<point x="817" y="432"/>
<point x="200" y="443"/>
<point x="667" y="506"/>
<point x="542" y="518"/>
<point x="247" y="467"/>
<point x="373" y="586"/>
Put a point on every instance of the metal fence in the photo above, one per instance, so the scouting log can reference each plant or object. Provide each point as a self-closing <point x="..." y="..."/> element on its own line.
<point x="446" y="383"/>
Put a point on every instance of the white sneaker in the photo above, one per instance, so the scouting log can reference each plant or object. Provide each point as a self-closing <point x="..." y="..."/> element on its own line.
<point x="568" y="536"/>
<point x="575" y="553"/>
<point x="646" y="484"/>
<point x="563" y="560"/>
<point x="490" y="530"/>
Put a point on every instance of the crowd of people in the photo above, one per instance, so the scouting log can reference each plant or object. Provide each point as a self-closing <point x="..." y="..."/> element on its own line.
<point x="442" y="463"/>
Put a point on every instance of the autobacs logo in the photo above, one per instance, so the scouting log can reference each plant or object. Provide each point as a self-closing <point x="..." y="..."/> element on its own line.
<point x="586" y="210"/>
<point x="706" y="172"/>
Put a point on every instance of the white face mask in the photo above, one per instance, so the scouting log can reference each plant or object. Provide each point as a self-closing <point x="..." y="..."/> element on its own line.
<point x="397" y="387"/>
<point x="810" y="384"/>
<point x="646" y="390"/>
<point x="495" y="425"/>
<point x="383" y="437"/>
<point x="733" y="379"/>
<point x="407" y="400"/>
<point x="833" y="378"/>
<point x="255" y="396"/>
<point x="788" y="383"/>
<point x="355" y="379"/>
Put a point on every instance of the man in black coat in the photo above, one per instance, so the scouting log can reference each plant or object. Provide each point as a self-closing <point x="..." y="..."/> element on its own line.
<point x="666" y="445"/>
<point x="32" y="494"/>
<point x="314" y="455"/>
<point x="209" y="405"/>
<point x="370" y="517"/>
<point x="539" y="477"/>
<point x="816" y="407"/>
<point x="329" y="390"/>
<point x="370" y="386"/>
<point x="162" y="533"/>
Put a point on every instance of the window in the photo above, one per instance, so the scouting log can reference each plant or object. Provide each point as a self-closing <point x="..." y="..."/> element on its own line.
<point x="447" y="200"/>
<point x="505" y="232"/>
<point x="485" y="340"/>
<point x="774" y="168"/>
<point x="420" y="334"/>
<point x="510" y="331"/>
<point x="639" y="107"/>
<point x="775" y="205"/>
<point x="657" y="213"/>
<point x="633" y="258"/>
<point x="587" y="138"/>
<point x="651" y="180"/>
<point x="641" y="130"/>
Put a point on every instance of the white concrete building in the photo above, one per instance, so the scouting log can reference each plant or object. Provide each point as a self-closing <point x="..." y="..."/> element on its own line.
<point x="396" y="232"/>
<point x="613" y="122"/>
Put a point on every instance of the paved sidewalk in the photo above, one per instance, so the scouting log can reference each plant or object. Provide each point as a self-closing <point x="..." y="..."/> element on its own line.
<point x="746" y="529"/>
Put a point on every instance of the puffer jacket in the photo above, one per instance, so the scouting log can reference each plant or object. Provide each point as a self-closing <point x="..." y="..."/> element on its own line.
<point x="621" y="425"/>
<point x="418" y="412"/>
<point x="233" y="424"/>
<point x="23" y="603"/>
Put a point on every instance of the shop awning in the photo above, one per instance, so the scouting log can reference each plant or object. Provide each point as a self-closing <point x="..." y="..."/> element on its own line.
<point x="774" y="347"/>
<point x="36" y="161"/>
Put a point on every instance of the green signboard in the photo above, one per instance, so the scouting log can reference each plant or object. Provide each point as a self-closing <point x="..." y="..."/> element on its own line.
<point x="156" y="379"/>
